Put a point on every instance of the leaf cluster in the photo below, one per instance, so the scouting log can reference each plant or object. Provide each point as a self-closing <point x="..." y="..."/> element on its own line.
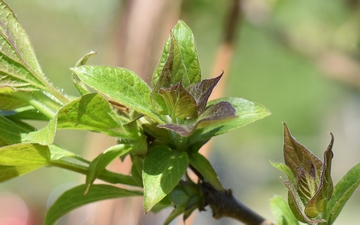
<point x="312" y="198"/>
<point x="160" y="127"/>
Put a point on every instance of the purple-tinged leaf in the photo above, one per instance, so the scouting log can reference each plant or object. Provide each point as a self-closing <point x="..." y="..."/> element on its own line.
<point x="179" y="103"/>
<point x="313" y="188"/>
<point x="317" y="203"/>
<point x="214" y="114"/>
<point x="201" y="91"/>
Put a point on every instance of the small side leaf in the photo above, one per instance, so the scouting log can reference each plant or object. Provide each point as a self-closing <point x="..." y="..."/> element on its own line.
<point x="201" y="164"/>
<point x="163" y="169"/>
<point x="246" y="112"/>
<point x="74" y="198"/>
<point x="98" y="165"/>
<point x="79" y="85"/>
<point x="282" y="212"/>
<point x="342" y="192"/>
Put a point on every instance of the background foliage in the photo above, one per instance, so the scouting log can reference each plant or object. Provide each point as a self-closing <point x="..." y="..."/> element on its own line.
<point x="282" y="60"/>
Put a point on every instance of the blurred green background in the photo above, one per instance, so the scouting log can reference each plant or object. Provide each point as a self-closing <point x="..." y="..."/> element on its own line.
<point x="300" y="59"/>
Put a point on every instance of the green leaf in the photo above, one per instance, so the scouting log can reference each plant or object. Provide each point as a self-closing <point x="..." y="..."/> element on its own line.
<point x="46" y="135"/>
<point x="136" y="170"/>
<point x="163" y="169"/>
<point x="18" y="159"/>
<point x="282" y="212"/>
<point x="27" y="113"/>
<point x="79" y="85"/>
<point x="174" y="70"/>
<point x="342" y="192"/>
<point x="74" y="198"/>
<point x="57" y="153"/>
<point x="185" y="41"/>
<point x="90" y="112"/>
<point x="175" y="213"/>
<point x="19" y="66"/>
<point x="98" y="165"/>
<point x="120" y="85"/>
<point x="285" y="169"/>
<point x="246" y="112"/>
<point x="7" y="101"/>
<point x="12" y="132"/>
<point x="203" y="166"/>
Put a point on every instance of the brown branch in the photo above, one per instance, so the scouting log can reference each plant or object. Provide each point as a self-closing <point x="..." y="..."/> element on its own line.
<point x="224" y="204"/>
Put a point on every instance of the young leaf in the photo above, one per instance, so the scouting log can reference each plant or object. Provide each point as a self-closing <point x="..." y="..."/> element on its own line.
<point x="201" y="92"/>
<point x="163" y="169"/>
<point x="80" y="86"/>
<point x="282" y="212"/>
<point x="203" y="166"/>
<point x="246" y="112"/>
<point x="98" y="165"/>
<point x="213" y="115"/>
<point x="18" y="159"/>
<point x="179" y="103"/>
<point x="342" y="192"/>
<point x="174" y="70"/>
<point x="74" y="198"/>
<point x="184" y="38"/>
<point x="120" y="85"/>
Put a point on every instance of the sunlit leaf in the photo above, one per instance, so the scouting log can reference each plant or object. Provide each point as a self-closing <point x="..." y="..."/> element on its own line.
<point x="74" y="198"/>
<point x="18" y="63"/>
<point x="79" y="85"/>
<point x="19" y="159"/>
<point x="90" y="112"/>
<point x="163" y="169"/>
<point x="342" y="192"/>
<point x="186" y="44"/>
<point x="246" y="112"/>
<point x="119" y="84"/>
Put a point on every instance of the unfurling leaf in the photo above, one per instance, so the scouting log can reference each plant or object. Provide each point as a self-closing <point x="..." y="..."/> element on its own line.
<point x="185" y="50"/>
<point x="312" y="188"/>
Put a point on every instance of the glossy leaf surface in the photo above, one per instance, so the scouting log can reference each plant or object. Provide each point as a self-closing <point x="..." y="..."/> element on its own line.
<point x="163" y="169"/>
